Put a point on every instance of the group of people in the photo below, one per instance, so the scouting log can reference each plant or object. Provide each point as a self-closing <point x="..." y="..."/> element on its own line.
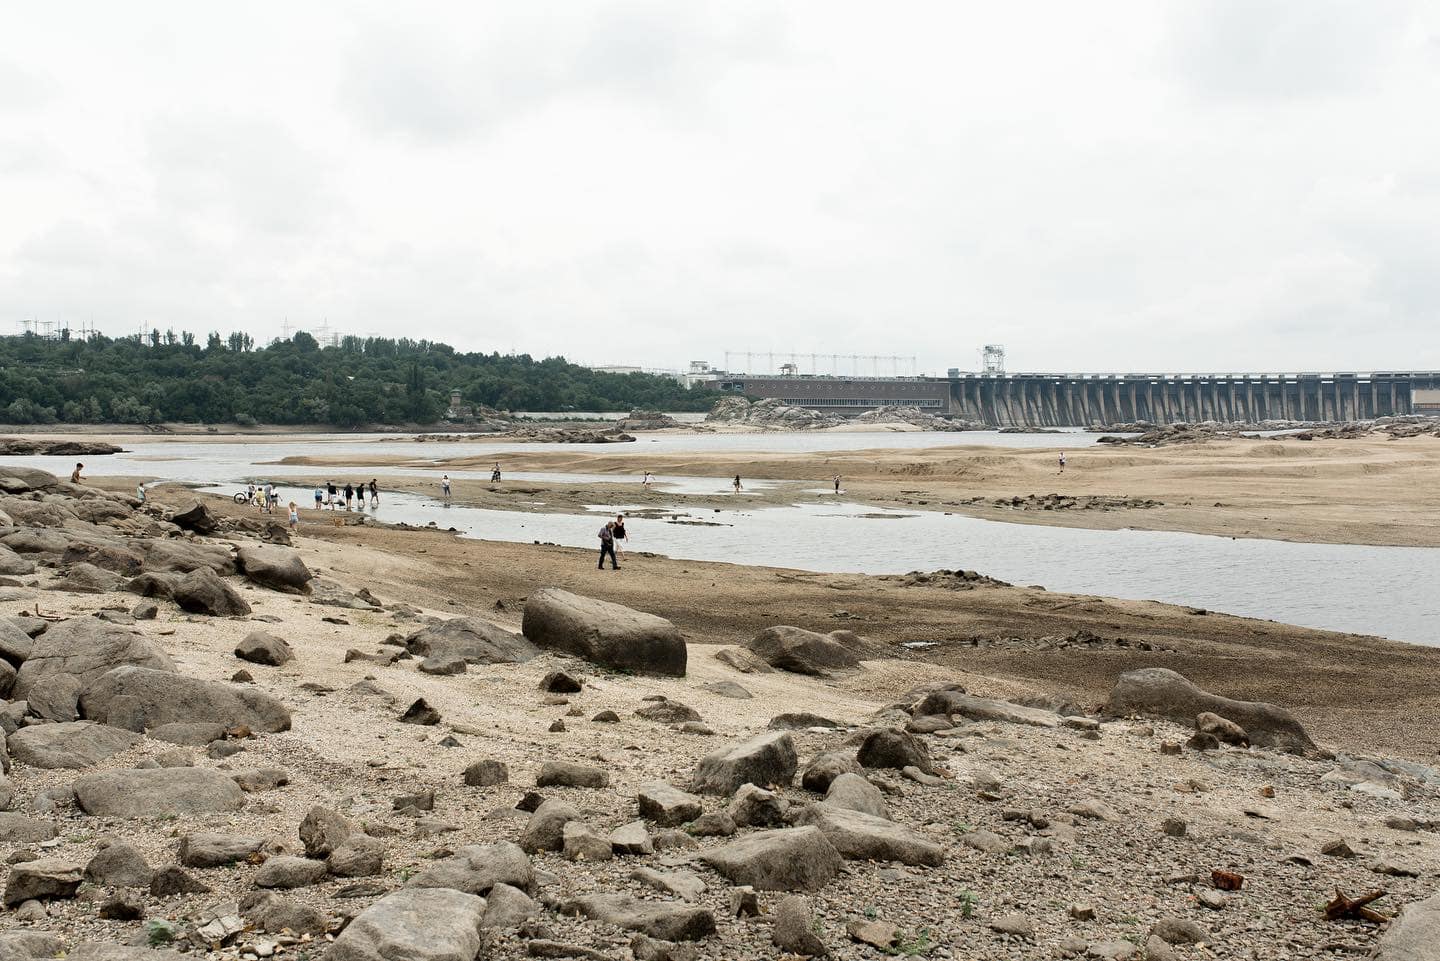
<point x="332" y="496"/>
<point x="612" y="537"/>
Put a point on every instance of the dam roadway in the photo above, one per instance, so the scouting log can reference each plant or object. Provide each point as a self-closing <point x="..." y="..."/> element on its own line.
<point x="1080" y="400"/>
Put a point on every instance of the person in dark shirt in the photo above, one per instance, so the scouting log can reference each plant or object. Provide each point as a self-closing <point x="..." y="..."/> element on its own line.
<point x="607" y="546"/>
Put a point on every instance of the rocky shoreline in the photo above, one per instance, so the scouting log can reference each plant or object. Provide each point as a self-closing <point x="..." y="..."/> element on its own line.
<point x="214" y="746"/>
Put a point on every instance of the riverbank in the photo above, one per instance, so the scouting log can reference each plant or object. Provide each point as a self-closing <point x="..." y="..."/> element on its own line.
<point x="994" y="633"/>
<point x="1364" y="491"/>
<point x="281" y="744"/>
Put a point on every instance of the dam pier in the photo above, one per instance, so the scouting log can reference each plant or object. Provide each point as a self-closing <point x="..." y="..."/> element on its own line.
<point x="1082" y="400"/>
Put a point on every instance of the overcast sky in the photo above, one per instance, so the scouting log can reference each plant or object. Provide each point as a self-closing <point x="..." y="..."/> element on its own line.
<point x="1212" y="185"/>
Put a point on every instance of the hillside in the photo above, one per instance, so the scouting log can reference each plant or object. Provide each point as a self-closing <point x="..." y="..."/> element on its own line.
<point x="172" y="377"/>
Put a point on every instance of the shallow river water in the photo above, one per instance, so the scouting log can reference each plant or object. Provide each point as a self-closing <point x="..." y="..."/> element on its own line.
<point x="1388" y="591"/>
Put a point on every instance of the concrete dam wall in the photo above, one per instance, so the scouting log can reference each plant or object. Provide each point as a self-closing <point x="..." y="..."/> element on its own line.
<point x="1080" y="400"/>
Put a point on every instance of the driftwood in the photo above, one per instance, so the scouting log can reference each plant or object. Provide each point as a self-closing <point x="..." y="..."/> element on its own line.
<point x="1341" y="907"/>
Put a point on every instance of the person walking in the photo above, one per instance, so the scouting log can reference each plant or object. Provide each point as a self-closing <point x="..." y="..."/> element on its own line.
<point x="1062" y="462"/>
<point x="619" y="534"/>
<point x="75" y="474"/>
<point x="374" y="493"/>
<point x="648" y="479"/>
<point x="349" y="494"/>
<point x="294" y="517"/>
<point x="319" y="497"/>
<point x="495" y="473"/>
<point x="737" y="483"/>
<point x="270" y="498"/>
<point x="445" y="488"/>
<point x="140" y="491"/>
<point x="837" y="483"/>
<point x="330" y="497"/>
<point x="607" y="546"/>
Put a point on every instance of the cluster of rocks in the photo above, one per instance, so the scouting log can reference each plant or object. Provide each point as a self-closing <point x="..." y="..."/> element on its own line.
<point x="771" y="414"/>
<point x="29" y="447"/>
<point x="945" y="825"/>
<point x="644" y="419"/>
<point x="1145" y="434"/>
<point x="1065" y="502"/>
<point x="956" y="580"/>
<point x="915" y="417"/>
<point x="570" y="435"/>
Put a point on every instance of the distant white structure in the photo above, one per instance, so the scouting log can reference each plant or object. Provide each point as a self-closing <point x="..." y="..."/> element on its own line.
<point x="992" y="359"/>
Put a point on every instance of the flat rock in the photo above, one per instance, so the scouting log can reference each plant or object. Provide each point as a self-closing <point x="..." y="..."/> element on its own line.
<point x="147" y="793"/>
<point x="211" y="849"/>
<point x="165" y="698"/>
<point x="86" y="649"/>
<point x="727" y="689"/>
<point x="1414" y="935"/>
<point x="806" y="652"/>
<point x="570" y="774"/>
<point x="786" y="859"/>
<point x="1160" y="692"/>
<point x="476" y="868"/>
<point x="42" y="879"/>
<point x="860" y="836"/>
<point x="667" y="921"/>
<point x="414" y="924"/>
<point x="273" y="913"/>
<point x="23" y="829"/>
<point x="473" y="640"/>
<point x="119" y="865"/>
<point x="289" y="872"/>
<point x="958" y="703"/>
<point x="666" y="804"/>
<point x="71" y="744"/>
<point x="603" y="633"/>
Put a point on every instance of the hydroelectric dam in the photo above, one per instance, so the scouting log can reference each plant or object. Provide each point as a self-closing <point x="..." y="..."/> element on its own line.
<point x="1082" y="400"/>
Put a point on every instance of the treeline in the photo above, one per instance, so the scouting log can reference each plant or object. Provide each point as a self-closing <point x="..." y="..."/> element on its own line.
<point x="362" y="380"/>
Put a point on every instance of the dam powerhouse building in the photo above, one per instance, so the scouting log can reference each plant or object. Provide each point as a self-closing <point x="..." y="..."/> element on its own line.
<point x="1079" y="400"/>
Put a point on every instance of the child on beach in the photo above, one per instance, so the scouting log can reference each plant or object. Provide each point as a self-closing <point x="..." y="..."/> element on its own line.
<point x="294" y="516"/>
<point x="445" y="488"/>
<point x="319" y="498"/>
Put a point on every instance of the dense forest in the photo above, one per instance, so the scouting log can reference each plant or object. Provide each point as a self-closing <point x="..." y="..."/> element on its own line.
<point x="360" y="380"/>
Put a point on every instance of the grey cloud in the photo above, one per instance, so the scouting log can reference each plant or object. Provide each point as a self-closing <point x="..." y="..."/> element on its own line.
<point x="1242" y="49"/>
<point x="426" y="83"/>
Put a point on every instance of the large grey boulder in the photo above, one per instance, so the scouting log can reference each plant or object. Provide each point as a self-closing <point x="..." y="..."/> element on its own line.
<point x="119" y="865"/>
<point x="787" y="859"/>
<point x="15" y="479"/>
<point x="666" y="804"/>
<point x="13" y="565"/>
<point x="864" y="837"/>
<point x="854" y="793"/>
<point x="545" y="831"/>
<point x="21" y="944"/>
<point x="473" y="640"/>
<point x="606" y="634"/>
<point x="173" y="698"/>
<point x="793" y="928"/>
<point x="211" y="849"/>
<point x="103" y="951"/>
<point x="1414" y="935"/>
<point x="476" y="868"/>
<point x="182" y="557"/>
<point x="203" y="592"/>
<point x="15" y="643"/>
<point x="197" y="518"/>
<point x="71" y="744"/>
<point x="273" y="913"/>
<point x="54" y="697"/>
<point x="22" y="829"/>
<point x="87" y="648"/>
<point x="259" y="647"/>
<point x="115" y="556"/>
<point x="983" y="709"/>
<point x="894" y="748"/>
<point x="86" y="578"/>
<point x="666" y="920"/>
<point x="42" y="879"/>
<point x="155" y="791"/>
<point x="806" y="652"/>
<point x="414" y="924"/>
<point x="278" y="568"/>
<point x="823" y="769"/>
<point x="1161" y="692"/>
<point x="767" y="758"/>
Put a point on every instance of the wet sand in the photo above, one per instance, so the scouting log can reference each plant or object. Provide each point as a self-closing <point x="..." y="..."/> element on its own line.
<point x="1372" y="491"/>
